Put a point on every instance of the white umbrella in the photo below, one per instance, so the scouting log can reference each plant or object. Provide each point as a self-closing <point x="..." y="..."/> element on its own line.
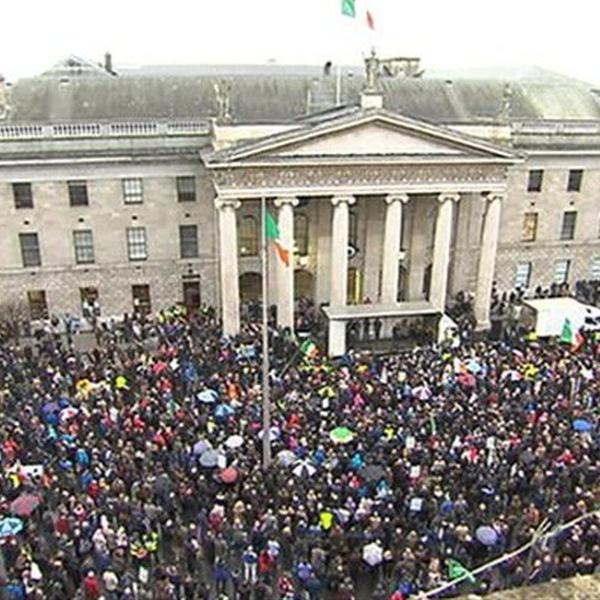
<point x="68" y="413"/>
<point x="274" y="434"/>
<point x="372" y="554"/>
<point x="286" y="458"/>
<point x="234" y="441"/>
<point x="304" y="468"/>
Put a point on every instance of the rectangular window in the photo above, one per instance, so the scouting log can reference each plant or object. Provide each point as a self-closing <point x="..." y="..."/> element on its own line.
<point x="83" y="242"/>
<point x="575" y="177"/>
<point x="30" y="249"/>
<point x="186" y="189"/>
<point x="22" y="195"/>
<point x="78" y="193"/>
<point x="188" y="241"/>
<point x="595" y="270"/>
<point x="90" y="306"/>
<point x="536" y="177"/>
<point x="133" y="191"/>
<point x="141" y="298"/>
<point x="136" y="243"/>
<point x="38" y="307"/>
<point x="530" y="223"/>
<point x="561" y="270"/>
<point x="567" y="231"/>
<point x="523" y="275"/>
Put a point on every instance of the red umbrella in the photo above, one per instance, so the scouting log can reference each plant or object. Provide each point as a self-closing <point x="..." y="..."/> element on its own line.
<point x="466" y="380"/>
<point x="24" y="505"/>
<point x="229" y="475"/>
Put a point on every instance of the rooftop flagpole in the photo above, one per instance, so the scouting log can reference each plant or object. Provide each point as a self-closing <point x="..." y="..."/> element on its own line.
<point x="266" y="401"/>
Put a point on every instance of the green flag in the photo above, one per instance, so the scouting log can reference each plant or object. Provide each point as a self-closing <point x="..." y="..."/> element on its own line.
<point x="271" y="227"/>
<point x="349" y="8"/>
<point x="566" y="337"/>
<point x="309" y="349"/>
<point x="456" y="570"/>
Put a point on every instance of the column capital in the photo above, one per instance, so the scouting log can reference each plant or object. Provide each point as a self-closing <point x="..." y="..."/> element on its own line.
<point x="391" y="198"/>
<point x="222" y="204"/>
<point x="501" y="196"/>
<point x="291" y="200"/>
<point x="337" y="200"/>
<point x="452" y="196"/>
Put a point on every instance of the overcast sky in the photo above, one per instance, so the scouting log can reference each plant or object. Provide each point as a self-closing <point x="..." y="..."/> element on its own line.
<point x="446" y="34"/>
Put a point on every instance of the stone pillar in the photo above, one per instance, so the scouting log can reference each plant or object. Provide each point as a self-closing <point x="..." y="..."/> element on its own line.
<point x="339" y="249"/>
<point x="487" y="260"/>
<point x="228" y="265"/>
<point x="285" y="275"/>
<point x="441" y="250"/>
<point x="391" y="247"/>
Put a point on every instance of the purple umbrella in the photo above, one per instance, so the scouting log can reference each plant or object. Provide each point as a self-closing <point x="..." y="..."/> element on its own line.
<point x="487" y="535"/>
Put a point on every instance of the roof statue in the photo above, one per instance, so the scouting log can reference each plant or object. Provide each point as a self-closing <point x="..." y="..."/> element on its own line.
<point x="4" y="105"/>
<point x="372" y="72"/>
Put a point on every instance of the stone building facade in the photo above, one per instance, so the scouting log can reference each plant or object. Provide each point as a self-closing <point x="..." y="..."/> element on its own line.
<point x="130" y="190"/>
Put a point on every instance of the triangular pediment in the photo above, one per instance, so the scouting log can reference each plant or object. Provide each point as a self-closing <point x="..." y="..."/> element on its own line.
<point x="374" y="134"/>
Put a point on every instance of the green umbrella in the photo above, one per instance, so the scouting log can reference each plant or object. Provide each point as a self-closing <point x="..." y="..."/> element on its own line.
<point x="341" y="435"/>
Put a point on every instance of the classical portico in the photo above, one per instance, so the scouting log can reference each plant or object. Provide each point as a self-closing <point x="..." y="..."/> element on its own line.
<point x="392" y="165"/>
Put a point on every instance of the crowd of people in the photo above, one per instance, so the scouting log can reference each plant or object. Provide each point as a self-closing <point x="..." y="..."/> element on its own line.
<point x="135" y="471"/>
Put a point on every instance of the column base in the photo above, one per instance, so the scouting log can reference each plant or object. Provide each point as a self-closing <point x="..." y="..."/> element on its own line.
<point x="483" y="325"/>
<point x="337" y="338"/>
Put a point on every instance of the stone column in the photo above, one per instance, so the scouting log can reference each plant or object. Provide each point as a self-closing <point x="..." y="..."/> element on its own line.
<point x="391" y="247"/>
<point x="487" y="260"/>
<point x="228" y="263"/>
<point x="441" y="250"/>
<point x="339" y="249"/>
<point x="285" y="275"/>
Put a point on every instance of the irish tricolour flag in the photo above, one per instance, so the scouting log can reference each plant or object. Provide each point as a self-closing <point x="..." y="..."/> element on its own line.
<point x="349" y="10"/>
<point x="568" y="336"/>
<point x="272" y="234"/>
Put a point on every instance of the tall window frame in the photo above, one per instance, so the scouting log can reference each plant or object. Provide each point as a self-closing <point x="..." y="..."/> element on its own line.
<point x="137" y="244"/>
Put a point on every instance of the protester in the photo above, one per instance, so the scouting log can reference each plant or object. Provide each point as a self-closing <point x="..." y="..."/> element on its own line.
<point x="131" y="472"/>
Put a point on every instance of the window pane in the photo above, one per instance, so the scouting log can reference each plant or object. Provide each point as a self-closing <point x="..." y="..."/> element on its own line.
<point x="78" y="195"/>
<point x="133" y="191"/>
<point x="575" y="177"/>
<point x="22" y="195"/>
<point x="186" y="189"/>
<point x="141" y="298"/>
<point x="38" y="308"/>
<point x="523" y="275"/>
<point x="534" y="183"/>
<point x="595" y="271"/>
<point x="561" y="271"/>
<point x="30" y="249"/>
<point x="568" y="225"/>
<point x="83" y="242"/>
<point x="136" y="243"/>
<point x="188" y="241"/>
<point x="529" y="227"/>
<point x="248" y="236"/>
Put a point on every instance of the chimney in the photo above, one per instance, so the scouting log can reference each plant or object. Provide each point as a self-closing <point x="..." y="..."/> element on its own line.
<point x="108" y="66"/>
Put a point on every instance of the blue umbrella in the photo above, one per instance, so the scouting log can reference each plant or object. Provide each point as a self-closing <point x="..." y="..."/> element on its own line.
<point x="207" y="396"/>
<point x="474" y="367"/>
<point x="10" y="526"/>
<point x="50" y="407"/>
<point x="223" y="411"/>
<point x="582" y="426"/>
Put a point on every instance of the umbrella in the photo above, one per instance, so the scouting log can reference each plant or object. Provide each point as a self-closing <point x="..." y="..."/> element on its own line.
<point x="274" y="434"/>
<point x="222" y="411"/>
<point x="234" y="441"/>
<point x="25" y="504"/>
<point x="10" y="526"/>
<point x="286" y="458"/>
<point x="50" y="407"/>
<point x="210" y="459"/>
<point x="473" y="367"/>
<point x="372" y="554"/>
<point x="373" y="473"/>
<point x="68" y="413"/>
<point x="466" y="380"/>
<point x="341" y="435"/>
<point x="487" y="535"/>
<point x="304" y="468"/>
<point x="229" y="475"/>
<point x="582" y="426"/>
<point x="159" y="367"/>
<point x="207" y="396"/>
<point x="201" y="446"/>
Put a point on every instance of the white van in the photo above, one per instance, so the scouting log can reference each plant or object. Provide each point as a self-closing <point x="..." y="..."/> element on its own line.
<point x="546" y="316"/>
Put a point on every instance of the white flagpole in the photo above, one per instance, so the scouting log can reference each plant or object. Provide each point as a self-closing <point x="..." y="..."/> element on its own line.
<point x="266" y="403"/>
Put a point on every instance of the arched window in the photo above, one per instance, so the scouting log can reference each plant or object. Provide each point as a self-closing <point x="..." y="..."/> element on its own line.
<point x="353" y="230"/>
<point x="301" y="234"/>
<point x="248" y="236"/>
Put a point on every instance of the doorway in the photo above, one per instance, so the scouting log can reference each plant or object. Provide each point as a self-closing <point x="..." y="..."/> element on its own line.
<point x="191" y="294"/>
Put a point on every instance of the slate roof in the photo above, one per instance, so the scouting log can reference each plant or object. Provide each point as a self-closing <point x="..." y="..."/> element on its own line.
<point x="263" y="97"/>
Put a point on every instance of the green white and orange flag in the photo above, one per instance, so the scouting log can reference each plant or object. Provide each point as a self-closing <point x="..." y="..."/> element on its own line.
<point x="272" y="233"/>
<point x="349" y="8"/>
